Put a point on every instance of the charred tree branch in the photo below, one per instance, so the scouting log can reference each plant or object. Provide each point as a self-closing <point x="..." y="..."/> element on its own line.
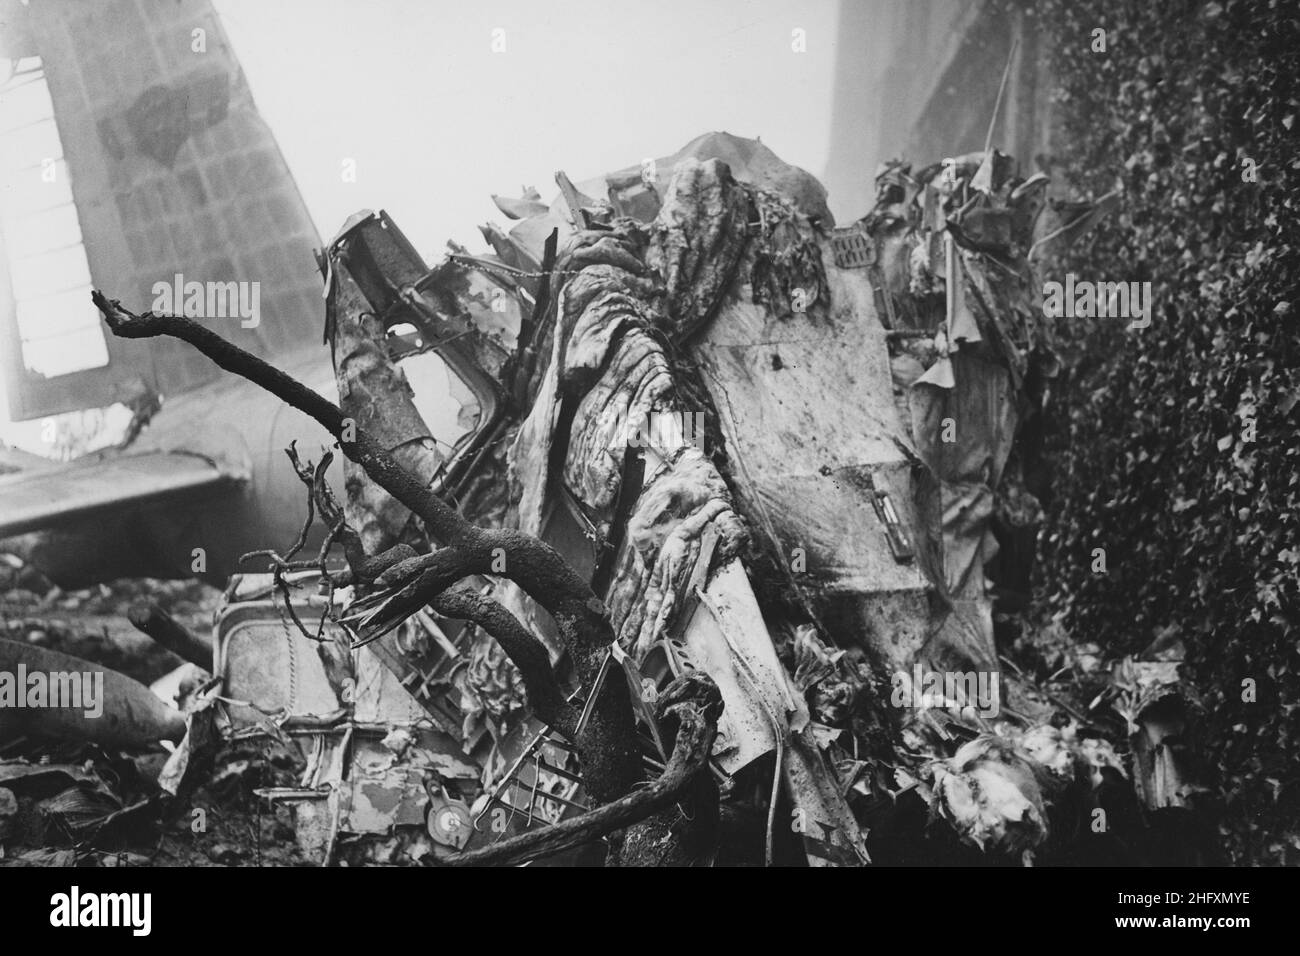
<point x="149" y="618"/>
<point x="528" y="654"/>
<point x="532" y="564"/>
<point x="545" y="698"/>
<point x="608" y="744"/>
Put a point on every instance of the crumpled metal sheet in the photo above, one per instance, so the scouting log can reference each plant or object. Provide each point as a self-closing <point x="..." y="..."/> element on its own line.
<point x="954" y="241"/>
<point x="665" y="533"/>
<point x="609" y="365"/>
<point x="699" y="238"/>
<point x="807" y="462"/>
<point x="749" y="160"/>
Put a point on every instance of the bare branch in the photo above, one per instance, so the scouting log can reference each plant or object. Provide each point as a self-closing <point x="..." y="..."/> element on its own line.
<point x="149" y="618"/>
<point x="528" y="654"/>
<point x="534" y="565"/>
<point x="608" y="745"/>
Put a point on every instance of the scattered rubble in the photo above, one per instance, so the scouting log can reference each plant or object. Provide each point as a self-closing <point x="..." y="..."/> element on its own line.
<point x="769" y="580"/>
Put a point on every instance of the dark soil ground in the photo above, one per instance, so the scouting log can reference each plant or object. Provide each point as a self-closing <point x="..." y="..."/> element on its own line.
<point x="223" y="824"/>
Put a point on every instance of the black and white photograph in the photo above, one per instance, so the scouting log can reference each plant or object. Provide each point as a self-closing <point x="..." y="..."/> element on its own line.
<point x="692" y="434"/>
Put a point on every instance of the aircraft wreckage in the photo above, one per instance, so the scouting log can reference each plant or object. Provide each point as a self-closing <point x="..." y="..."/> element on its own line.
<point x="769" y="452"/>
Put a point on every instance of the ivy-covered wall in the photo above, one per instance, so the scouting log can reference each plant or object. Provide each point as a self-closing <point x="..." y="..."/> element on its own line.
<point x="1176" y="448"/>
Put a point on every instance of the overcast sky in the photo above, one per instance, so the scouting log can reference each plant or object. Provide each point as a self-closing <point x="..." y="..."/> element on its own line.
<point x="436" y="121"/>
